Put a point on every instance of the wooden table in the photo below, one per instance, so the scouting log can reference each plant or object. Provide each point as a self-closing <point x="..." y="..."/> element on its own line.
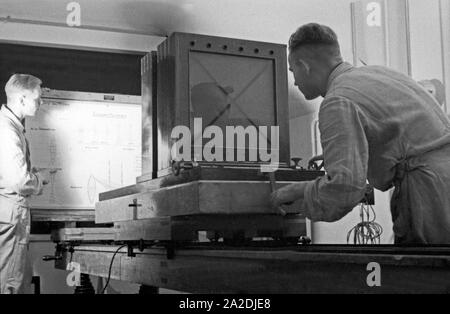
<point x="216" y="268"/>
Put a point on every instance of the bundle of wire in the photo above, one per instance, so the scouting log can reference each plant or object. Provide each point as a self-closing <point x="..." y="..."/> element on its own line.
<point x="367" y="231"/>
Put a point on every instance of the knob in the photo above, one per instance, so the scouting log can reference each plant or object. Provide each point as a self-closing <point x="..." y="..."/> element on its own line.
<point x="296" y="161"/>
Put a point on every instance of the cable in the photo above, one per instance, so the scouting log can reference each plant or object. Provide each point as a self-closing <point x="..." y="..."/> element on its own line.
<point x="110" y="268"/>
<point x="367" y="231"/>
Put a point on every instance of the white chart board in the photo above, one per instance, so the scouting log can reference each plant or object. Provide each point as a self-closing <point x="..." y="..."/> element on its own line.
<point x="93" y="145"/>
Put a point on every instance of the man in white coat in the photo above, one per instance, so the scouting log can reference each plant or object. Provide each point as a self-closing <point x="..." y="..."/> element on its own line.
<point x="377" y="125"/>
<point x="17" y="179"/>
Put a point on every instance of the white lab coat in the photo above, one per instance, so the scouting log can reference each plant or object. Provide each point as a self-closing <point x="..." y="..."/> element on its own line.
<point x="380" y="125"/>
<point x="16" y="184"/>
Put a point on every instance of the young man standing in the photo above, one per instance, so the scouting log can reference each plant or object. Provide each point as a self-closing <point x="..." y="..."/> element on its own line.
<point x="17" y="179"/>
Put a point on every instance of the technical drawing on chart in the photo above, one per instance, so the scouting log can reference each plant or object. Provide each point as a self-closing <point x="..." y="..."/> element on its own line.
<point x="53" y="158"/>
<point x="86" y="148"/>
<point x="93" y="188"/>
<point x="52" y="196"/>
<point x="53" y="166"/>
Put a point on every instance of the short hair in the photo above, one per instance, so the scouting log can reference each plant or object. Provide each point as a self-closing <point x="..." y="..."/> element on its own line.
<point x="314" y="34"/>
<point x="19" y="83"/>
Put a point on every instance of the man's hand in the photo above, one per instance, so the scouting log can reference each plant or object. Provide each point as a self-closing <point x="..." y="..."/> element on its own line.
<point x="287" y="194"/>
<point x="44" y="173"/>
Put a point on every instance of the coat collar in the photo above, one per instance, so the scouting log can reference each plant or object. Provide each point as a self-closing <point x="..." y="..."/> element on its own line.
<point x="11" y="116"/>
<point x="338" y="70"/>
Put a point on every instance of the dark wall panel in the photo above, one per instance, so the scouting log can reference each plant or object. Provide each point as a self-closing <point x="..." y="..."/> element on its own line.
<point x="68" y="69"/>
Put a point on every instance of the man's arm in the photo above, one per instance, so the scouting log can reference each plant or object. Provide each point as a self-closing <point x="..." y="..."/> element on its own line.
<point x="14" y="173"/>
<point x="345" y="151"/>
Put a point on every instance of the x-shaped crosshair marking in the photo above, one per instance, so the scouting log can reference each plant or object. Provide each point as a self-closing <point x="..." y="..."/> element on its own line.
<point x="233" y="99"/>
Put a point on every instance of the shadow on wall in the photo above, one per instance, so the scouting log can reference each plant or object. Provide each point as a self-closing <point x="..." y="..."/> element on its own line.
<point x="164" y="16"/>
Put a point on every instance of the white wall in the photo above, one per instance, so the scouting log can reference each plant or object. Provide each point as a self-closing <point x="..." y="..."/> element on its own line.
<point x="445" y="20"/>
<point x="430" y="41"/>
<point x="425" y="35"/>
